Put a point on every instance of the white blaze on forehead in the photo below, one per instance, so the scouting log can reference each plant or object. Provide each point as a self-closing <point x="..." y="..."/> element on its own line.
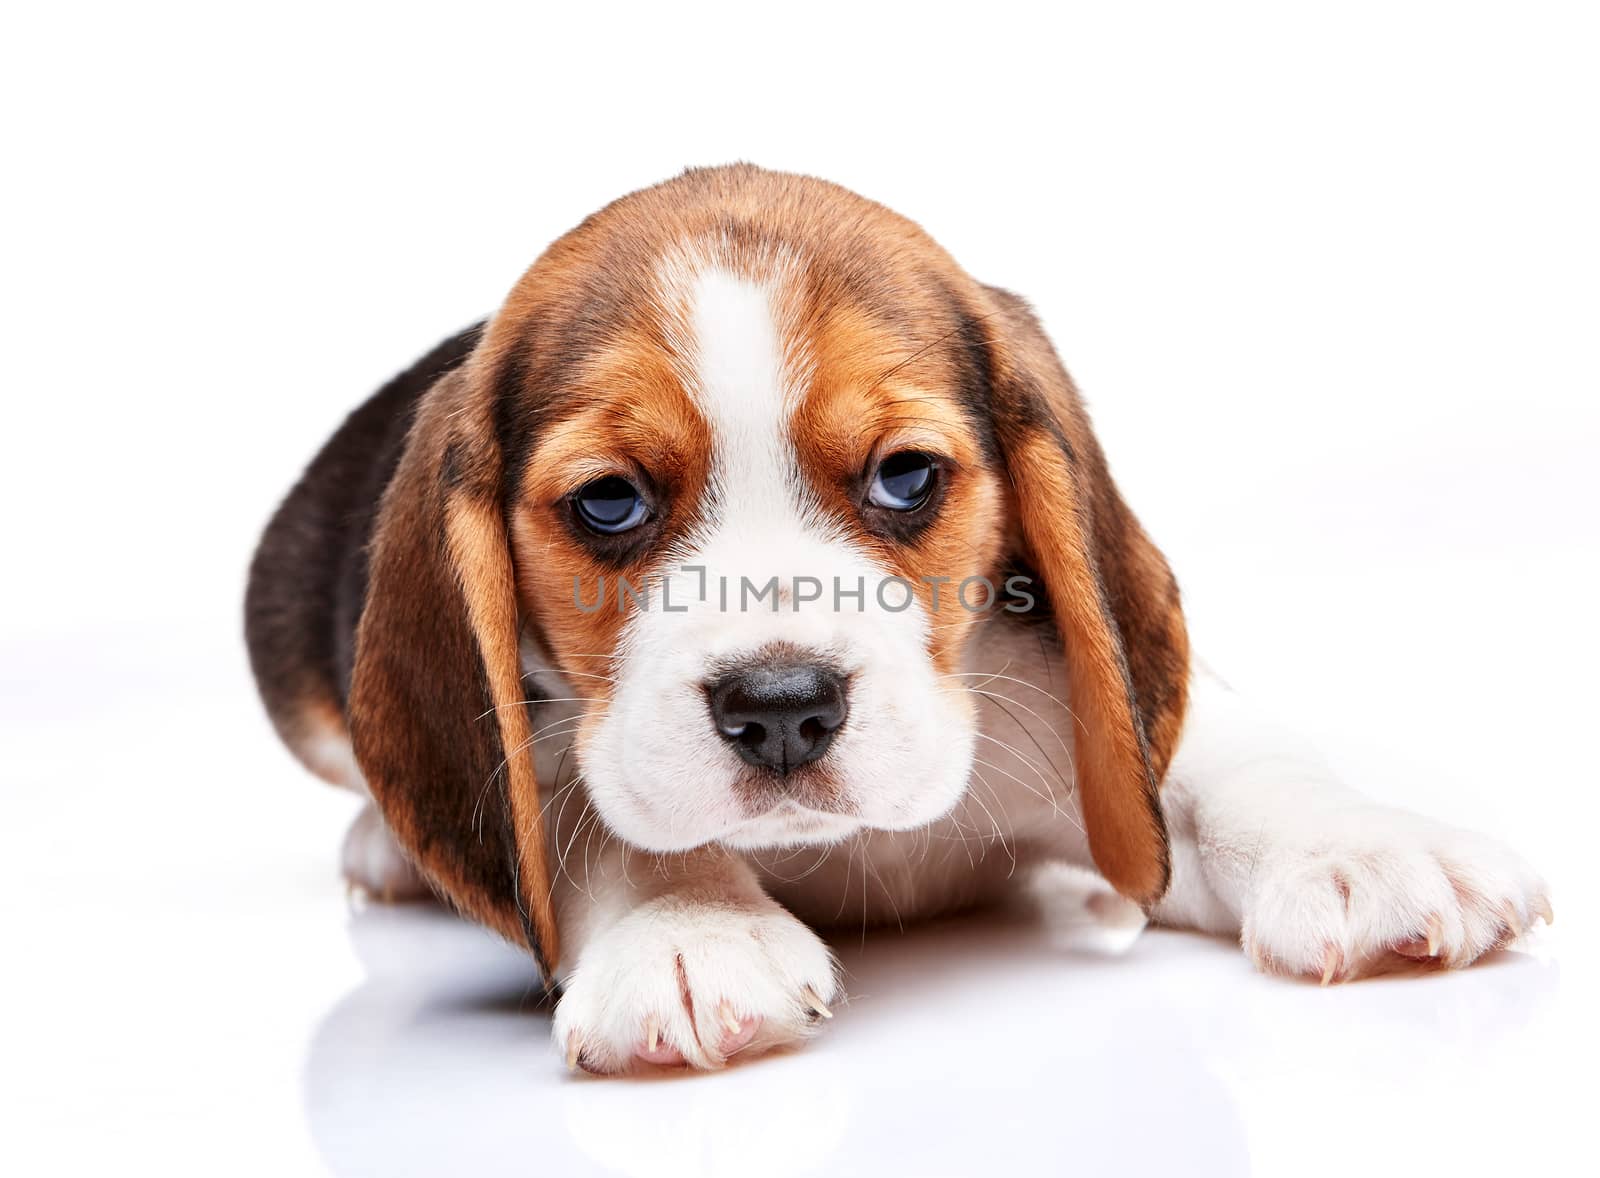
<point x="739" y="376"/>
<point x="747" y="366"/>
<point x="738" y="352"/>
<point x="657" y="768"/>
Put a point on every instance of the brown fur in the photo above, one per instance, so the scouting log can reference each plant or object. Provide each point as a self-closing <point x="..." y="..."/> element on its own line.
<point x="308" y="578"/>
<point x="576" y="377"/>
<point x="436" y="709"/>
<point x="1115" y="601"/>
<point x="635" y="418"/>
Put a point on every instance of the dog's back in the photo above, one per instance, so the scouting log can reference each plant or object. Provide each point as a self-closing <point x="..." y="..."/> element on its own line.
<point x="308" y="578"/>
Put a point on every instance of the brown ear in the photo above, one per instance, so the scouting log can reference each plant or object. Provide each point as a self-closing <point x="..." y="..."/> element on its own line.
<point x="436" y="701"/>
<point x="1115" y="602"/>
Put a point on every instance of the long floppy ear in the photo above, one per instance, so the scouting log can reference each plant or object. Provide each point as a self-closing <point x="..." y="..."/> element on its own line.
<point x="436" y="702"/>
<point x="1115" y="601"/>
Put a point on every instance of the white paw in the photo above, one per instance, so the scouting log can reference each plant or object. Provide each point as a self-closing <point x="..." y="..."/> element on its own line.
<point x="373" y="862"/>
<point x="1355" y="889"/>
<point x="693" y="982"/>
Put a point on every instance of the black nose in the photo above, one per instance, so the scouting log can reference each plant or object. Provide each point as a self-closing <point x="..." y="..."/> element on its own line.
<point x="779" y="717"/>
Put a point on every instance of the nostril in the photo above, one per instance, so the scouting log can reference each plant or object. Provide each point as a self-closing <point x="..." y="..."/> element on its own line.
<point x="821" y="724"/>
<point x="828" y="712"/>
<point x="778" y="716"/>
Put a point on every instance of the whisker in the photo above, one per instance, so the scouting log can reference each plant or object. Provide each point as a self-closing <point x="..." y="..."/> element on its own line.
<point x="923" y="351"/>
<point x="1031" y="686"/>
<point x="887" y="895"/>
<point x="587" y="675"/>
<point x="1001" y="700"/>
<point x="999" y="835"/>
<point x="850" y="863"/>
<point x="524" y="703"/>
<point x="987" y="676"/>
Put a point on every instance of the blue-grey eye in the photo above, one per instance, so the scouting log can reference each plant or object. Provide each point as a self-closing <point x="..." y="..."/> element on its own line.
<point x="609" y="505"/>
<point x="903" y="481"/>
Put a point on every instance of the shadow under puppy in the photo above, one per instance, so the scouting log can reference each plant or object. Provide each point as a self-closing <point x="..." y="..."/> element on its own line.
<point x="754" y="568"/>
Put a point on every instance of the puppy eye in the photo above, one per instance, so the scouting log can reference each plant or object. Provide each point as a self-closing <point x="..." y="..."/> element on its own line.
<point x="609" y="506"/>
<point x="903" y="481"/>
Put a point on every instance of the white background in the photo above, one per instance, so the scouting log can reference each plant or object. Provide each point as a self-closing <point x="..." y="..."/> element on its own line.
<point x="1328" y="276"/>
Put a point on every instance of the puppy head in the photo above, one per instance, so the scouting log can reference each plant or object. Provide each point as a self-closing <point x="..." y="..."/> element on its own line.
<point x="748" y="459"/>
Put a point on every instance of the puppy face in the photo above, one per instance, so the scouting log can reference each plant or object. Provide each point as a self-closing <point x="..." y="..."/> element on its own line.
<point x="747" y="459"/>
<point x="779" y="467"/>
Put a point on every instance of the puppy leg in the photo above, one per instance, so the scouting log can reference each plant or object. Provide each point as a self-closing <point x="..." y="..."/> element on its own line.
<point x="681" y="959"/>
<point x="1315" y="879"/>
<point x="374" y="862"/>
<point x="371" y="860"/>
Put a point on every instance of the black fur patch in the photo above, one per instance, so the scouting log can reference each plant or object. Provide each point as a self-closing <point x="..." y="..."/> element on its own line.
<point x="308" y="580"/>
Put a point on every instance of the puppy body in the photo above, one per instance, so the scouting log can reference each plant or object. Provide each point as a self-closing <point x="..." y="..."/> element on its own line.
<point x="746" y="366"/>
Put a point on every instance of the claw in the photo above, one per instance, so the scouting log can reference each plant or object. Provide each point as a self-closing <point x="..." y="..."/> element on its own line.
<point x="1513" y="922"/>
<point x="652" y="1034"/>
<point x="573" y="1048"/>
<point x="1541" y="907"/>
<point x="1332" y="961"/>
<point x="728" y="1019"/>
<point x="815" y="1002"/>
<point x="1435" y="936"/>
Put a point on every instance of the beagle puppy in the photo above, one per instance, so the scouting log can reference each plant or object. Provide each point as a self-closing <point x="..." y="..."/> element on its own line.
<point x="754" y="569"/>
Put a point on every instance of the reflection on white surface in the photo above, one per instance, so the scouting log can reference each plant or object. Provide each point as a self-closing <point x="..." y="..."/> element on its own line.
<point x="195" y="998"/>
<point x="198" y="999"/>
<point x="1009" y="1042"/>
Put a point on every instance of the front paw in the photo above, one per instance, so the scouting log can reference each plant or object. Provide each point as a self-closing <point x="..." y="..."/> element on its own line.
<point x="693" y="982"/>
<point x="1363" y="887"/>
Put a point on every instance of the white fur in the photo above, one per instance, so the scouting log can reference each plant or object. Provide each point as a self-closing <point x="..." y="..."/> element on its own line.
<point x="1317" y="879"/>
<point x="373" y="862"/>
<point x="326" y="751"/>
<point x="1262" y="837"/>
<point x="686" y="920"/>
<point x="685" y="947"/>
<point x="657" y="770"/>
<point x="950" y="785"/>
